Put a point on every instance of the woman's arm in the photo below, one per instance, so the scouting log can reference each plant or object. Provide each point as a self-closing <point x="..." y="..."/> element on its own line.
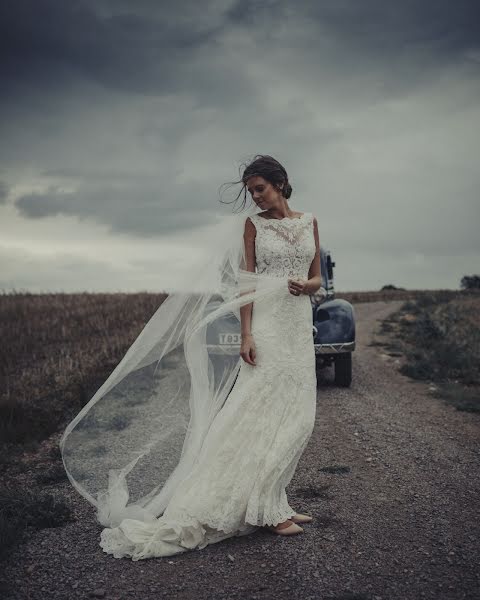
<point x="314" y="282"/>
<point x="249" y="242"/>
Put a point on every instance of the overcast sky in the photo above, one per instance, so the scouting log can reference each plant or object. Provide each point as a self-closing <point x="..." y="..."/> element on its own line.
<point x="120" y="120"/>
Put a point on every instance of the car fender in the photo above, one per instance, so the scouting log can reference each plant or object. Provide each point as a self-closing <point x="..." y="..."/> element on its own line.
<point x="334" y="323"/>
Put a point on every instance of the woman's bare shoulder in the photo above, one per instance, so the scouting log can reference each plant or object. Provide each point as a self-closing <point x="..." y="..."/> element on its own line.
<point x="250" y="229"/>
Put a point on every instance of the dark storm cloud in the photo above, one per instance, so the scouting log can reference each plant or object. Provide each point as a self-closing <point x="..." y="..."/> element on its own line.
<point x="131" y="113"/>
<point x="50" y="42"/>
<point x="372" y="26"/>
<point x="392" y="26"/>
<point x="63" y="64"/>
<point x="145" y="46"/>
<point x="124" y="207"/>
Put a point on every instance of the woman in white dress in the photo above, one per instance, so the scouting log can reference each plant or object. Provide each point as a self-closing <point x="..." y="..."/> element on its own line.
<point x="248" y="455"/>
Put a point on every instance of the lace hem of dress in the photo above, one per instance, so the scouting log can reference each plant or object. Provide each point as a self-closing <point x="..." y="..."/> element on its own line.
<point x="139" y="540"/>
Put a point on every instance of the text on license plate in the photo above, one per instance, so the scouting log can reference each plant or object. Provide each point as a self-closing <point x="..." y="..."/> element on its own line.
<point x="230" y="338"/>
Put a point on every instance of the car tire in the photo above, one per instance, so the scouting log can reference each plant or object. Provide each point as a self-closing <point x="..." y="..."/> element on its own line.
<point x="343" y="369"/>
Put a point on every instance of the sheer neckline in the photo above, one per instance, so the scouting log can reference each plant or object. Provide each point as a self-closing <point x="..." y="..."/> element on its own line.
<point x="283" y="218"/>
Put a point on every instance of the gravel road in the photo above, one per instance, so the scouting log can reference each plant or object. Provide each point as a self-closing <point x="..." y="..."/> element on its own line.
<point x="400" y="520"/>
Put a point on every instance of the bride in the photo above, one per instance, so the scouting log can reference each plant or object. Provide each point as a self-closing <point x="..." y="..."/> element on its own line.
<point x="188" y="443"/>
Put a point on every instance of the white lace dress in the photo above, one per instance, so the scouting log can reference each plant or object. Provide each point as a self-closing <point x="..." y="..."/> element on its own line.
<point x="255" y="442"/>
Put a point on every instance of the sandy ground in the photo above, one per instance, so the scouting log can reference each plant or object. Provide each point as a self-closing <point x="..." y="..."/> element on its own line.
<point x="400" y="521"/>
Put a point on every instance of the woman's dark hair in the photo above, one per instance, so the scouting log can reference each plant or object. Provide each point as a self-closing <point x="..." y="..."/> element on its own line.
<point x="267" y="167"/>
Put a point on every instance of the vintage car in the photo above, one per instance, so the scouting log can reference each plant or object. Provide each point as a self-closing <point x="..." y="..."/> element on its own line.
<point x="333" y="329"/>
<point x="333" y="326"/>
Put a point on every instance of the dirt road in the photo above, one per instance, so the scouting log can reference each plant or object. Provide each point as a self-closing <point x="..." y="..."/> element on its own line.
<point x="397" y="518"/>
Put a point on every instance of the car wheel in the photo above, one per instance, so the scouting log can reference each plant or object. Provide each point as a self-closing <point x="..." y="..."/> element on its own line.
<point x="343" y="369"/>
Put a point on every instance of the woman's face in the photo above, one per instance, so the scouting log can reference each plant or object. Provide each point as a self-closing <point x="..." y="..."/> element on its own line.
<point x="263" y="193"/>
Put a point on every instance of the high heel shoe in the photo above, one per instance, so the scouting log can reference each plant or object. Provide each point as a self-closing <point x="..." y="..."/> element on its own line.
<point x="292" y="529"/>
<point x="299" y="518"/>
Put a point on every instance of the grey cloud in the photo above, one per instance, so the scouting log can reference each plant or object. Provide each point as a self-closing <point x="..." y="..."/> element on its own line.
<point x="41" y="205"/>
<point x="21" y="270"/>
<point x="145" y="211"/>
<point x="142" y="108"/>
<point x="3" y="192"/>
<point x="54" y="41"/>
<point x="390" y="27"/>
<point x="163" y="47"/>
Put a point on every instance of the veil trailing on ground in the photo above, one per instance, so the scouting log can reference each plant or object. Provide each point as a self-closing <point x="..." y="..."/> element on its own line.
<point x="141" y="432"/>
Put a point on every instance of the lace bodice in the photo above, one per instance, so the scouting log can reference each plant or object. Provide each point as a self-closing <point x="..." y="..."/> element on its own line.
<point x="284" y="247"/>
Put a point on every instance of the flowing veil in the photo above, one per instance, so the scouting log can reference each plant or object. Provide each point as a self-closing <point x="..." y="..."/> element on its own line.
<point x="140" y="434"/>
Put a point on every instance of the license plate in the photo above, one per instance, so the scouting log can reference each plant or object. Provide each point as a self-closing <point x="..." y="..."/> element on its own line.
<point x="230" y="338"/>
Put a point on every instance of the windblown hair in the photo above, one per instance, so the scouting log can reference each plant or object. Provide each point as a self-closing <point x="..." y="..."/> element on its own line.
<point x="267" y="167"/>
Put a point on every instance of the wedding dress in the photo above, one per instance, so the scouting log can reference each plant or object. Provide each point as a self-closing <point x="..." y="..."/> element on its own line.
<point x="253" y="445"/>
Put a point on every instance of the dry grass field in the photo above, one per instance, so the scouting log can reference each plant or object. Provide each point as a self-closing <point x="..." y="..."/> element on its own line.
<point x="437" y="338"/>
<point x="55" y="349"/>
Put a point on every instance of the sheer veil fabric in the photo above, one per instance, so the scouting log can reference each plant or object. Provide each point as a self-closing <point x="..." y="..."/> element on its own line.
<point x="138" y="437"/>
